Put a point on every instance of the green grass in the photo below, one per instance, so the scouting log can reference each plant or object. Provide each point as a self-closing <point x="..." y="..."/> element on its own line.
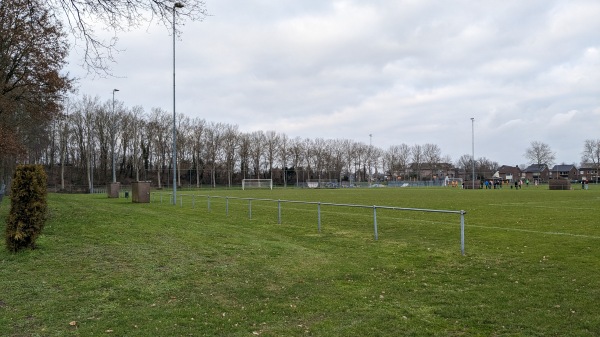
<point x="123" y="269"/>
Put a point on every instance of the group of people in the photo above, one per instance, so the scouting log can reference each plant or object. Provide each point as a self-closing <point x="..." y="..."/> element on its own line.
<point x="584" y="184"/>
<point x="518" y="184"/>
<point x="489" y="184"/>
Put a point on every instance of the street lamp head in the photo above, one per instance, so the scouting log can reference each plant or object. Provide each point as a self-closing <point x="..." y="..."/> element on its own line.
<point x="178" y="5"/>
<point x="472" y="118"/>
<point x="115" y="90"/>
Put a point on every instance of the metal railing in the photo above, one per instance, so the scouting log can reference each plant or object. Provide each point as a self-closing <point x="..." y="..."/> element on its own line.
<point x="318" y="204"/>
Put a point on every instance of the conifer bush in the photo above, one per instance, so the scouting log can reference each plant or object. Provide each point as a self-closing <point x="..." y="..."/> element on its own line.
<point x="28" y="208"/>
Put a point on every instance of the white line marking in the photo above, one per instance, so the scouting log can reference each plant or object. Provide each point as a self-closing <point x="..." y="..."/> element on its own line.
<point x="537" y="232"/>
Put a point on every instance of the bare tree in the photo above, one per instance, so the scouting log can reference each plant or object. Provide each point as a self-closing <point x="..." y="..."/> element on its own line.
<point x="135" y="128"/>
<point x="271" y="142"/>
<point x="309" y="156"/>
<point x="390" y="161"/>
<point x="183" y="132"/>
<point x="591" y="155"/>
<point x="486" y="167"/>
<point x="84" y="17"/>
<point x="64" y="136"/>
<point x="297" y="152"/>
<point x="86" y="119"/>
<point x="257" y="141"/>
<point x="465" y="162"/>
<point x="432" y="154"/>
<point x="198" y="127"/>
<point x="244" y="154"/>
<point x="214" y="137"/>
<point x="114" y="110"/>
<point x="396" y="160"/>
<point x="350" y="160"/>
<point x="230" y="144"/>
<point x="404" y="154"/>
<point x="417" y="159"/>
<point x="160" y="131"/>
<point x="360" y="159"/>
<point x="540" y="154"/>
<point x="284" y="153"/>
<point x="337" y="158"/>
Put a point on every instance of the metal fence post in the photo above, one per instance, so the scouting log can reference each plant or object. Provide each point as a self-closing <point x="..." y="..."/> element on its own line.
<point x="375" y="222"/>
<point x="319" y="215"/>
<point x="250" y="209"/>
<point x="181" y="201"/>
<point x="226" y="206"/>
<point x="193" y="201"/>
<point x="208" y="200"/>
<point x="279" y="212"/>
<point x="462" y="232"/>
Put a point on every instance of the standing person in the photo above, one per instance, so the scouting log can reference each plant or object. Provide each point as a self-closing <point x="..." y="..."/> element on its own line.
<point x="516" y="185"/>
<point x="582" y="184"/>
<point x="520" y="183"/>
<point x="527" y="182"/>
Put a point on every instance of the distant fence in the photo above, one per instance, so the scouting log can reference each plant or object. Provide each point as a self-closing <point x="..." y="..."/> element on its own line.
<point x="158" y="197"/>
<point x="85" y="189"/>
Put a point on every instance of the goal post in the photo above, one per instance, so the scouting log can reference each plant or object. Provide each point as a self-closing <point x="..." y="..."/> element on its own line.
<point x="257" y="183"/>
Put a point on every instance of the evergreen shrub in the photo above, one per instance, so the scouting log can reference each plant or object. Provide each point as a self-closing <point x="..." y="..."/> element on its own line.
<point x="28" y="210"/>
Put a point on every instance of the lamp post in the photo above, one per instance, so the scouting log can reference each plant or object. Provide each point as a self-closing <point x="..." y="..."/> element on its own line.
<point x="370" y="149"/>
<point x="473" y="150"/>
<point x="175" y="6"/>
<point x="114" y="173"/>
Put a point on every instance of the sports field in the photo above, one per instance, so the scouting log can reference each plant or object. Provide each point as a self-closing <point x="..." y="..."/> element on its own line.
<point x="109" y="267"/>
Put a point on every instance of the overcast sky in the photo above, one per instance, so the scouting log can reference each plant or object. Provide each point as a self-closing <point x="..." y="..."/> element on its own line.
<point x="405" y="71"/>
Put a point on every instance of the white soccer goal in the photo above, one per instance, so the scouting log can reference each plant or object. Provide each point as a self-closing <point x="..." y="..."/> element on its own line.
<point x="257" y="183"/>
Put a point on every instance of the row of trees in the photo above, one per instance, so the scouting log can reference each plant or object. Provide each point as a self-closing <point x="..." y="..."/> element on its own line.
<point x="81" y="145"/>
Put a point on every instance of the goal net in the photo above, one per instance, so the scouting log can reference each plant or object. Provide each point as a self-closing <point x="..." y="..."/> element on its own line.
<point x="322" y="183"/>
<point x="453" y="182"/>
<point x="257" y="183"/>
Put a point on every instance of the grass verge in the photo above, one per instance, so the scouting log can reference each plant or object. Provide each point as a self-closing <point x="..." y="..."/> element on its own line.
<point x="107" y="266"/>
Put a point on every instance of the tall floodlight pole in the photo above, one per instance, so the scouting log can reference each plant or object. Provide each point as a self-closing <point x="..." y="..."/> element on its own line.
<point x="175" y="6"/>
<point x="473" y="150"/>
<point x="370" y="153"/>
<point x="114" y="173"/>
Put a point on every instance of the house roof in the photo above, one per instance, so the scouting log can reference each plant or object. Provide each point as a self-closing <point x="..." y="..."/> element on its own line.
<point x="563" y="168"/>
<point x="536" y="168"/>
<point x="507" y="168"/>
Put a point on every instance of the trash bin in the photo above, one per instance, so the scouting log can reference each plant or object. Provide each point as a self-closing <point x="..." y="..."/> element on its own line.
<point x="126" y="194"/>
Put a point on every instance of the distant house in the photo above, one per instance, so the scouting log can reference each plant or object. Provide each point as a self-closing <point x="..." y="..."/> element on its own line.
<point x="437" y="171"/>
<point x="510" y="173"/>
<point x="564" y="172"/>
<point x="588" y="172"/>
<point x="536" y="172"/>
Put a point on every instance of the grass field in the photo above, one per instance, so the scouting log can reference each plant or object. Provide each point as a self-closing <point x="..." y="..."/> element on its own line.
<point x="109" y="267"/>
